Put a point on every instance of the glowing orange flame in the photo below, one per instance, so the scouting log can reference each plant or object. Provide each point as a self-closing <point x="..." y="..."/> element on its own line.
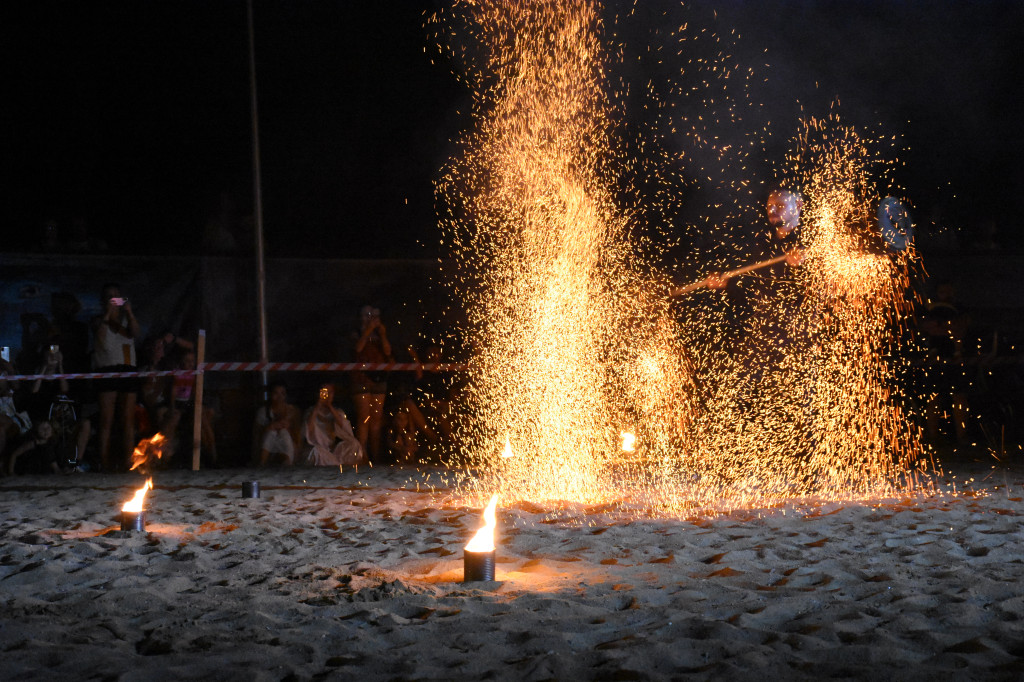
<point x="628" y="441"/>
<point x="134" y="505"/>
<point x="507" y="452"/>
<point x="483" y="541"/>
<point x="148" y="450"/>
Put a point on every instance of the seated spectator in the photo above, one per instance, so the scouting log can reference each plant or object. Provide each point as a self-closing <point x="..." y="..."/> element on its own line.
<point x="404" y="435"/>
<point x="48" y="401"/>
<point x="278" y="428"/>
<point x="328" y="434"/>
<point x="432" y="393"/>
<point x="14" y="422"/>
<point x="37" y="451"/>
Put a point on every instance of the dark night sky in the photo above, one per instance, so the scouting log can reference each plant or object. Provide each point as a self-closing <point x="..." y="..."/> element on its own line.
<point x="135" y="115"/>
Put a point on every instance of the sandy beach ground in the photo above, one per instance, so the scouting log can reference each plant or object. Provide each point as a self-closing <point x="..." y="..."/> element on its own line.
<point x="358" y="576"/>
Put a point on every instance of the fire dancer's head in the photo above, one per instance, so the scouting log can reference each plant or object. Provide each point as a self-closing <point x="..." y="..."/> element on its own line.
<point x="784" y="211"/>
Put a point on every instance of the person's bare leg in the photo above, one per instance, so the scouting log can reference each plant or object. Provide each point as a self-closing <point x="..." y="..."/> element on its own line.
<point x="82" y="433"/>
<point x="417" y="419"/>
<point x="108" y="405"/>
<point x="363" y="407"/>
<point x="376" y="425"/>
<point x="128" y="420"/>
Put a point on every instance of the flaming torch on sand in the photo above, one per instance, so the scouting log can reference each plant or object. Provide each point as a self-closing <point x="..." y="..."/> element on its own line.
<point x="133" y="514"/>
<point x="478" y="559"/>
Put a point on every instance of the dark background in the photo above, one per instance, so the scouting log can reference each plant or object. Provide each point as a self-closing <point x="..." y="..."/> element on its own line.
<point x="134" y="116"/>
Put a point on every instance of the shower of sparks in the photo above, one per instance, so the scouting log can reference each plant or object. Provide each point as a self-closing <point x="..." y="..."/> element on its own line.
<point x="575" y="340"/>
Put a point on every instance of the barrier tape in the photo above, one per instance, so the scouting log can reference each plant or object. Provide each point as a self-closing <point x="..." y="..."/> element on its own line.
<point x="256" y="367"/>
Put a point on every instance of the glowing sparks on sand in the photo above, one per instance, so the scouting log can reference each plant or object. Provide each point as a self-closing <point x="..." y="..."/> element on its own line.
<point x="135" y="505"/>
<point x="574" y="335"/>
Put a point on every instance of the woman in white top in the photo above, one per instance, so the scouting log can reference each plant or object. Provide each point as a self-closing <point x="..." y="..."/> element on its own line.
<point x="114" y="351"/>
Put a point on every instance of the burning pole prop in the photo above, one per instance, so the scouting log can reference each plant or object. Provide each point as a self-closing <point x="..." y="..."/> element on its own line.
<point x="133" y="515"/>
<point x="478" y="559"/>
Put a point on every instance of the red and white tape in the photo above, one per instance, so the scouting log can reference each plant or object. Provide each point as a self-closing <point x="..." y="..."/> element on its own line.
<point x="257" y="367"/>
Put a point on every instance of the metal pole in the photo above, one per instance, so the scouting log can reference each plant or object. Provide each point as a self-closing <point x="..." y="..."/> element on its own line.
<point x="261" y="273"/>
<point x="197" y="397"/>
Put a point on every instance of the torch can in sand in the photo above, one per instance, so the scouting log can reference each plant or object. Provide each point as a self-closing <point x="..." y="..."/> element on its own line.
<point x="251" y="489"/>
<point x="133" y="520"/>
<point x="477" y="566"/>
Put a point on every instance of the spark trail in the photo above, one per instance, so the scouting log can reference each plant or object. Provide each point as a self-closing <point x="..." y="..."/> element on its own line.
<point x="574" y="337"/>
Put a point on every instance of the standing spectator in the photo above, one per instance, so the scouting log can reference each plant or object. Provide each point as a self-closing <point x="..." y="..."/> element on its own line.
<point x="71" y="334"/>
<point x="183" y="391"/>
<point x="369" y="389"/>
<point x="278" y="427"/>
<point x="944" y="328"/>
<point x="155" y="391"/>
<point x="115" y="332"/>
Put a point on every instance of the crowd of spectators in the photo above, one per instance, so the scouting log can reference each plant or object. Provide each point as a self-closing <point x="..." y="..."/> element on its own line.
<point x="62" y="426"/>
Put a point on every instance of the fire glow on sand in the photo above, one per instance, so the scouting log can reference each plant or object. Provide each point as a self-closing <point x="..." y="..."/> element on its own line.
<point x="575" y="336"/>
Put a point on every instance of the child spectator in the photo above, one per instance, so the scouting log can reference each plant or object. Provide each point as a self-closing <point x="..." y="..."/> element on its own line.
<point x="278" y="428"/>
<point x="38" y="444"/>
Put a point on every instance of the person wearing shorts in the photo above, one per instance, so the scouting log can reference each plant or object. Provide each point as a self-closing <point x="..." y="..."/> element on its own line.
<point x="114" y="351"/>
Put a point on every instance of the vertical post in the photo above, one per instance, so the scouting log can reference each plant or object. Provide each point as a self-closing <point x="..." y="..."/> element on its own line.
<point x="261" y="274"/>
<point x="197" y="396"/>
